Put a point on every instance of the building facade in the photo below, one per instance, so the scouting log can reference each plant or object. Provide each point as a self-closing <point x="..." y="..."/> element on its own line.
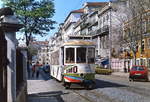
<point x="141" y="33"/>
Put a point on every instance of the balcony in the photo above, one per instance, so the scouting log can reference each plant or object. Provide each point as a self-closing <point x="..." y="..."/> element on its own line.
<point x="93" y="21"/>
<point x="101" y="31"/>
<point x="92" y="32"/>
<point x="83" y="33"/>
<point x="84" y="25"/>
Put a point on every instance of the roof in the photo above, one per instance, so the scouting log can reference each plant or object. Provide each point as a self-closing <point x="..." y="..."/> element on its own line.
<point x="74" y="11"/>
<point x="79" y="42"/>
<point x="77" y="11"/>
<point x="40" y="42"/>
<point x="95" y="3"/>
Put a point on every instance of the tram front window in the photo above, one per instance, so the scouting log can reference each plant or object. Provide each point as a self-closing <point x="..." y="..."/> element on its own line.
<point x="81" y="55"/>
<point x="91" y="55"/>
<point x="70" y="55"/>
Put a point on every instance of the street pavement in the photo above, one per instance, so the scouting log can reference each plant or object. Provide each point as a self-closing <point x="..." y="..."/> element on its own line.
<point x="109" y="88"/>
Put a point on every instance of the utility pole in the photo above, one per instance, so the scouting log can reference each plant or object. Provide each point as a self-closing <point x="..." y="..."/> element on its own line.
<point x="110" y="26"/>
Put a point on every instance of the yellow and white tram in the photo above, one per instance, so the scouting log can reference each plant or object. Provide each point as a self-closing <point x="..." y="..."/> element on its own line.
<point x="74" y="63"/>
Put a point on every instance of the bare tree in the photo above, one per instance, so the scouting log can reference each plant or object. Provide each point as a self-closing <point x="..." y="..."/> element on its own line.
<point x="132" y="22"/>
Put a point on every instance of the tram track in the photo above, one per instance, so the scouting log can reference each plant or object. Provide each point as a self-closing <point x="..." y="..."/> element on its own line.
<point x="92" y="96"/>
<point x="82" y="96"/>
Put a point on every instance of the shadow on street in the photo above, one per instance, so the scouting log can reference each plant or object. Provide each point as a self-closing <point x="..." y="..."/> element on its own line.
<point x="42" y="76"/>
<point x="106" y="84"/>
<point x="54" y="96"/>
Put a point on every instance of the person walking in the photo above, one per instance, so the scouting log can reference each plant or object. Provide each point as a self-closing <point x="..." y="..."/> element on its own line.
<point x="29" y="67"/>
<point x="37" y="69"/>
<point x="33" y="70"/>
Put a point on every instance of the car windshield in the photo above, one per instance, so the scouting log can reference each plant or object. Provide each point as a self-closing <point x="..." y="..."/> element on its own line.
<point x="137" y="68"/>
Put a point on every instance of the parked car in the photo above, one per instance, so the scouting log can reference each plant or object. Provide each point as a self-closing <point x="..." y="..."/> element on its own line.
<point x="138" y="72"/>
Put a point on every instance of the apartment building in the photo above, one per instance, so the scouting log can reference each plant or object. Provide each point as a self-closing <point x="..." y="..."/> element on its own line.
<point x="42" y="54"/>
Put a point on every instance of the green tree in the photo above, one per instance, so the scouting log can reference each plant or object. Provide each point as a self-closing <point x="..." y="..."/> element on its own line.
<point x="35" y="15"/>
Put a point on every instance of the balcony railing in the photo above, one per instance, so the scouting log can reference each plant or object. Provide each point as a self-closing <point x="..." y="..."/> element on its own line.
<point x="92" y="32"/>
<point x="99" y="31"/>
<point x="103" y="29"/>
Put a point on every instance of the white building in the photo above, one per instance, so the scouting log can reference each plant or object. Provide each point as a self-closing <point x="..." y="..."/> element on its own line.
<point x="69" y="23"/>
<point x="42" y="54"/>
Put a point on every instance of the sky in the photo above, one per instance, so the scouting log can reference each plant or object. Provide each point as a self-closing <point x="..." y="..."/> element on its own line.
<point x="62" y="9"/>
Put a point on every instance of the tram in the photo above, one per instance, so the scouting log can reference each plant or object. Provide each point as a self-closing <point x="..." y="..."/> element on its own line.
<point x="73" y="63"/>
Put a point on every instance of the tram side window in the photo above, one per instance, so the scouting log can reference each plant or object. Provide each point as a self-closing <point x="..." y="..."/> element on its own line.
<point x="81" y="55"/>
<point x="70" y="55"/>
<point x="91" y="55"/>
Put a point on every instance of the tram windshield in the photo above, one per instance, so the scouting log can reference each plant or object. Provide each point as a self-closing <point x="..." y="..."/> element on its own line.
<point x="70" y="55"/>
<point x="81" y="55"/>
<point x="91" y="55"/>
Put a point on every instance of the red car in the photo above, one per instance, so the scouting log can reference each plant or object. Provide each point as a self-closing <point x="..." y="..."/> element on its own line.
<point x="138" y="72"/>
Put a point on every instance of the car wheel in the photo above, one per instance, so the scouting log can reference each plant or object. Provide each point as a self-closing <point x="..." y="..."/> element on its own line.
<point x="130" y="79"/>
<point x="67" y="85"/>
<point x="146" y="79"/>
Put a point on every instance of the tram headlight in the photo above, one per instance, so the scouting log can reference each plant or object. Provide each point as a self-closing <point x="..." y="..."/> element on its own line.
<point x="81" y="75"/>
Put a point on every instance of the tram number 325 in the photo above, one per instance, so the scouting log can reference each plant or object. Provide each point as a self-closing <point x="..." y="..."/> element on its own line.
<point x="74" y="69"/>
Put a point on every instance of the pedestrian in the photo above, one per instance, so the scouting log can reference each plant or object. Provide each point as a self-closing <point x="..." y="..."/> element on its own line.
<point x="28" y="68"/>
<point x="33" y="70"/>
<point x="37" y="69"/>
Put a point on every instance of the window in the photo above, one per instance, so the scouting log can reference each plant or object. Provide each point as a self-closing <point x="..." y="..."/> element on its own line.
<point x="103" y="19"/>
<point x="107" y="17"/>
<point x="149" y="63"/>
<point x="54" y="59"/>
<point x="70" y="55"/>
<point x="142" y="47"/>
<point x="137" y="68"/>
<point x="141" y="61"/>
<point x="149" y="43"/>
<point x="81" y="55"/>
<point x="144" y="62"/>
<point x="144" y="26"/>
<point x="90" y="29"/>
<point x="91" y="55"/>
<point x="137" y="62"/>
<point x="100" y="22"/>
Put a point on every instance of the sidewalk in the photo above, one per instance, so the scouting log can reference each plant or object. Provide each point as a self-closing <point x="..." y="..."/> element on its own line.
<point x="120" y="74"/>
<point x="40" y="90"/>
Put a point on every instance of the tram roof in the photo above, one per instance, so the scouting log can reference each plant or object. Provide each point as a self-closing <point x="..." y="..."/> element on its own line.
<point x="79" y="42"/>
